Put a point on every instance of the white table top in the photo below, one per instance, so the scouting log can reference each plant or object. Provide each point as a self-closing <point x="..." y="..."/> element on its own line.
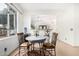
<point x="33" y="38"/>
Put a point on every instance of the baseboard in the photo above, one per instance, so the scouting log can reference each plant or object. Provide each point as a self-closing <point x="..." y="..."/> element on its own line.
<point x="13" y="51"/>
<point x="65" y="43"/>
<point x="73" y="45"/>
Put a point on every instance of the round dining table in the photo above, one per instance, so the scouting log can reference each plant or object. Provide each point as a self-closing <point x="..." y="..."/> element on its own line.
<point x="36" y="39"/>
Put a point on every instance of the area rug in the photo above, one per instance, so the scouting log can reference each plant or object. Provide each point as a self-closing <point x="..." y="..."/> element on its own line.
<point x="34" y="53"/>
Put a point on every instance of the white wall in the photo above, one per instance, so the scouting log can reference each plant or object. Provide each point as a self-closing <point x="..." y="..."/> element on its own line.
<point x="20" y="22"/>
<point x="27" y="22"/>
<point x="76" y="25"/>
<point x="10" y="43"/>
<point x="65" y="21"/>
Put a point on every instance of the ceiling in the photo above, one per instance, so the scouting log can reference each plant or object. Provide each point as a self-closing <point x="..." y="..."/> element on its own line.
<point x="45" y="7"/>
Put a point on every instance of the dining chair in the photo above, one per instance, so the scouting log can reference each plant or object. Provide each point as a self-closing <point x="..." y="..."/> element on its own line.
<point x="22" y="43"/>
<point x="51" y="47"/>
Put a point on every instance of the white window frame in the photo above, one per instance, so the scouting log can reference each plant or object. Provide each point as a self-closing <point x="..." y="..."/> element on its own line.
<point x="8" y="21"/>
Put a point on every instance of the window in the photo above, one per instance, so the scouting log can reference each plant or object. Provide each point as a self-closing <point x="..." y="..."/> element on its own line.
<point x="12" y="22"/>
<point x="7" y="20"/>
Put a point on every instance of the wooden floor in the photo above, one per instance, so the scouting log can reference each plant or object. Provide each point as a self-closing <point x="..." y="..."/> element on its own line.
<point x="62" y="49"/>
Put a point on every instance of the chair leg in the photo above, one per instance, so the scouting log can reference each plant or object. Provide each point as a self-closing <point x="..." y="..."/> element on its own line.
<point x="44" y="51"/>
<point x="25" y="50"/>
<point x="19" y="51"/>
<point x="51" y="52"/>
<point x="40" y="47"/>
<point x="55" y="52"/>
<point x="33" y="47"/>
<point x="28" y="50"/>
